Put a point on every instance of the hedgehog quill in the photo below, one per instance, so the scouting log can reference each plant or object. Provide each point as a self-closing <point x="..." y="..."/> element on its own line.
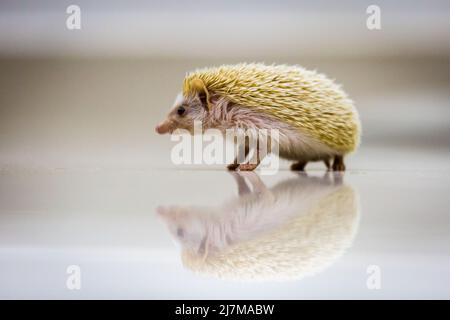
<point x="315" y="118"/>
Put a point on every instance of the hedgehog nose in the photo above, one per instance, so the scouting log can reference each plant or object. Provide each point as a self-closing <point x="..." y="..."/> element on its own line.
<point x="162" y="128"/>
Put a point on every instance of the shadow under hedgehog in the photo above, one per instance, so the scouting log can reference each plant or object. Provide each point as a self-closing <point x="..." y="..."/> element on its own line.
<point x="315" y="119"/>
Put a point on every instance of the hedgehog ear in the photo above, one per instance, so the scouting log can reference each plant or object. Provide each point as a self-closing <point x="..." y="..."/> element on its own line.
<point x="204" y="100"/>
<point x="199" y="86"/>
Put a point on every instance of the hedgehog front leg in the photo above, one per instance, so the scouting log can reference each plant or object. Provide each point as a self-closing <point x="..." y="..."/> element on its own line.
<point x="248" y="166"/>
<point x="338" y="164"/>
<point x="252" y="165"/>
<point x="235" y="165"/>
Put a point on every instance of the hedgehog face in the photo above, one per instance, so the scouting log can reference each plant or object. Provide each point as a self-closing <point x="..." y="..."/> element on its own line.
<point x="185" y="111"/>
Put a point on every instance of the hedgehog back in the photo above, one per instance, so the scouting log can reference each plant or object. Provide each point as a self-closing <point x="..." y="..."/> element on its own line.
<point x="304" y="99"/>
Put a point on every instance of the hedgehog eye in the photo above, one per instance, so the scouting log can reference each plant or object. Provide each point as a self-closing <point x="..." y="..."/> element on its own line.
<point x="181" y="110"/>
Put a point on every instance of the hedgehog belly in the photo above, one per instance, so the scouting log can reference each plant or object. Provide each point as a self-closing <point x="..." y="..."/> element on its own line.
<point x="298" y="146"/>
<point x="294" y="143"/>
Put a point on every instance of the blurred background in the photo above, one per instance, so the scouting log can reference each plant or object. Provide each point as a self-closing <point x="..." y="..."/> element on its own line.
<point x="91" y="97"/>
<point x="82" y="170"/>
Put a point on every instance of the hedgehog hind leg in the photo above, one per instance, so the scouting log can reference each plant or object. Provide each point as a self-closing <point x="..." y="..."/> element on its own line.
<point x="299" y="165"/>
<point x="338" y="163"/>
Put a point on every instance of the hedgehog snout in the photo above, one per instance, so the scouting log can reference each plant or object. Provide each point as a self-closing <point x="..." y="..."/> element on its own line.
<point x="163" y="127"/>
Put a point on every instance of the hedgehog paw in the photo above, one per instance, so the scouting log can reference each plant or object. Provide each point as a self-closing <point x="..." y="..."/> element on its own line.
<point x="338" y="164"/>
<point x="339" y="167"/>
<point x="247" y="166"/>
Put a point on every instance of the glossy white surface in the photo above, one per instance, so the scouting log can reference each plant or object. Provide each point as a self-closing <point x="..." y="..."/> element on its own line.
<point x="105" y="221"/>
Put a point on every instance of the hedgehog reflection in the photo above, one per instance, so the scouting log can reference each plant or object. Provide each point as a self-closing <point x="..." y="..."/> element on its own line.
<point x="294" y="229"/>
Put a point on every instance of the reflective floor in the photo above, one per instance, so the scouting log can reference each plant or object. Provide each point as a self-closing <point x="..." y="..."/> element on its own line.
<point x="199" y="233"/>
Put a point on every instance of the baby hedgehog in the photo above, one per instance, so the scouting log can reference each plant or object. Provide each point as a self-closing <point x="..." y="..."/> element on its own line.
<point x="315" y="118"/>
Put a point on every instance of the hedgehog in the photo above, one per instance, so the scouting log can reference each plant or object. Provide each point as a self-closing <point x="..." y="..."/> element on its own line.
<point x="315" y="118"/>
